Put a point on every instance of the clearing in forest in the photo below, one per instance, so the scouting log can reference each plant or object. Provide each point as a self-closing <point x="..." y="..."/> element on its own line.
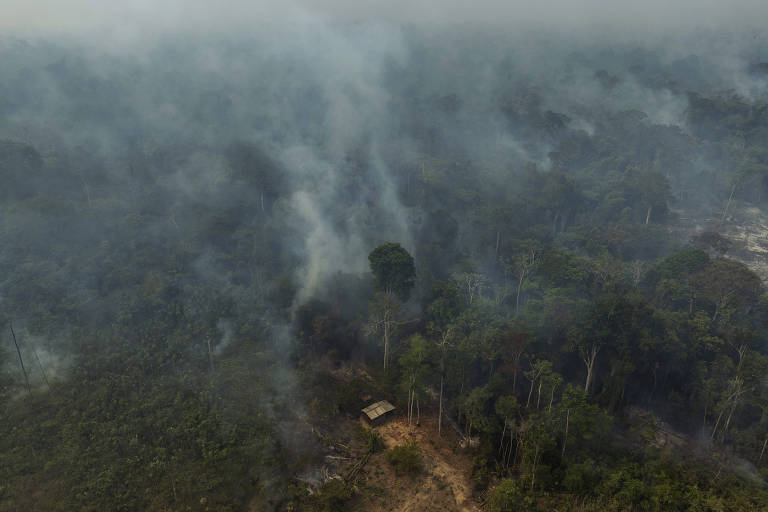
<point x="442" y="485"/>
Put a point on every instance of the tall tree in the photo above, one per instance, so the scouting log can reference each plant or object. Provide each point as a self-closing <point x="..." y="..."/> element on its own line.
<point x="441" y="312"/>
<point x="415" y="369"/>
<point x="394" y="274"/>
<point x="588" y="347"/>
<point x="393" y="269"/>
<point x="727" y="283"/>
<point x="385" y="317"/>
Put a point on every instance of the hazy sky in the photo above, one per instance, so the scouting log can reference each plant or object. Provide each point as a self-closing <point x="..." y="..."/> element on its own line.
<point x="78" y="16"/>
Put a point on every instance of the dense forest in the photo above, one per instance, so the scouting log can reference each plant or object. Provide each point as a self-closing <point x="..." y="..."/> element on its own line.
<point x="213" y="250"/>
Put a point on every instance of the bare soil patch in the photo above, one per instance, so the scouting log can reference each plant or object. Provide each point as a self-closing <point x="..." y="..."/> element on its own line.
<point x="443" y="485"/>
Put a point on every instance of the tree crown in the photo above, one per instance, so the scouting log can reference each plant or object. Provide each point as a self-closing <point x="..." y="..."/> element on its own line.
<point x="393" y="269"/>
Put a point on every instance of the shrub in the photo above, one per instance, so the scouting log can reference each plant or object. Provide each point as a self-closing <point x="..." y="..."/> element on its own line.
<point x="506" y="497"/>
<point x="405" y="458"/>
<point x="372" y="439"/>
<point x="334" y="495"/>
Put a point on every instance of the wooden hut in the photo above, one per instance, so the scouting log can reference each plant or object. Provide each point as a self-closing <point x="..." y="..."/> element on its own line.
<point x="378" y="413"/>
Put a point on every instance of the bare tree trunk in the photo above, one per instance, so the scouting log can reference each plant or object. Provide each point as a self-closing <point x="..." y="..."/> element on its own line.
<point x="440" y="410"/>
<point x="517" y="456"/>
<point x="725" y="211"/>
<point x="519" y="287"/>
<point x="507" y="454"/>
<point x="511" y="444"/>
<point x="503" y="433"/>
<point x="386" y="339"/>
<point x="21" y="361"/>
<point x="533" y="468"/>
<point x="530" y="394"/>
<point x="87" y="192"/>
<point x="589" y="360"/>
<point x="538" y="394"/>
<point x="443" y="344"/>
<point x="210" y="353"/>
<point x="418" y="412"/>
<point x="741" y="350"/>
<point x="691" y="300"/>
<point x="762" y="451"/>
<point x="526" y="265"/>
<point x="408" y="409"/>
<point x="727" y="422"/>
<point x="514" y="379"/>
<point x="717" y="423"/>
<point x="518" y="356"/>
<point x="551" y="399"/>
<point x="588" y="382"/>
<point x="648" y="215"/>
<point x="565" y="439"/>
<point x="39" y="364"/>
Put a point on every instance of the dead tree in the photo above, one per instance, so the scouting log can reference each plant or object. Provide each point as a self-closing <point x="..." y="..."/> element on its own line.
<point x="386" y="319"/>
<point x="471" y="282"/>
<point x="21" y="360"/>
<point x="210" y="353"/>
<point x="588" y="354"/>
<point x="525" y="269"/>
<point x="40" y="364"/>
<point x="443" y="344"/>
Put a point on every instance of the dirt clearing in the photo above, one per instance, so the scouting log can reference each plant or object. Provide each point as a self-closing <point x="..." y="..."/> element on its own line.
<point x="442" y="485"/>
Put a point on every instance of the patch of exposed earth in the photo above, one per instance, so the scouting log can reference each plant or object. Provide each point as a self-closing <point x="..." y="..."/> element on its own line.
<point x="443" y="485"/>
<point x="741" y="234"/>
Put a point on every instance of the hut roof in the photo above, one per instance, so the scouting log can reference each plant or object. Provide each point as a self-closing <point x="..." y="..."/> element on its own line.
<point x="373" y="411"/>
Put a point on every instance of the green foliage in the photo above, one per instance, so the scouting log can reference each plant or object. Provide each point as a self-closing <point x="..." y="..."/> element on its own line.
<point x="507" y="407"/>
<point x="477" y="408"/>
<point x="581" y="478"/>
<point x="372" y="439"/>
<point x="393" y="269"/>
<point x="588" y="424"/>
<point x="414" y="364"/>
<point x="681" y="263"/>
<point x="506" y="497"/>
<point x="405" y="458"/>
<point x="727" y="285"/>
<point x="333" y="495"/>
<point x="444" y="306"/>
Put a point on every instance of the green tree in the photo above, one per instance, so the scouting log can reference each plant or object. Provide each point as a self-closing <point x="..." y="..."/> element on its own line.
<point x="386" y="315"/>
<point x="441" y="312"/>
<point x="415" y="369"/>
<point x="727" y="284"/>
<point x="584" y="425"/>
<point x="476" y="411"/>
<point x="506" y="497"/>
<point x="393" y="269"/>
<point x="394" y="274"/>
<point x="536" y="440"/>
<point x="507" y="408"/>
